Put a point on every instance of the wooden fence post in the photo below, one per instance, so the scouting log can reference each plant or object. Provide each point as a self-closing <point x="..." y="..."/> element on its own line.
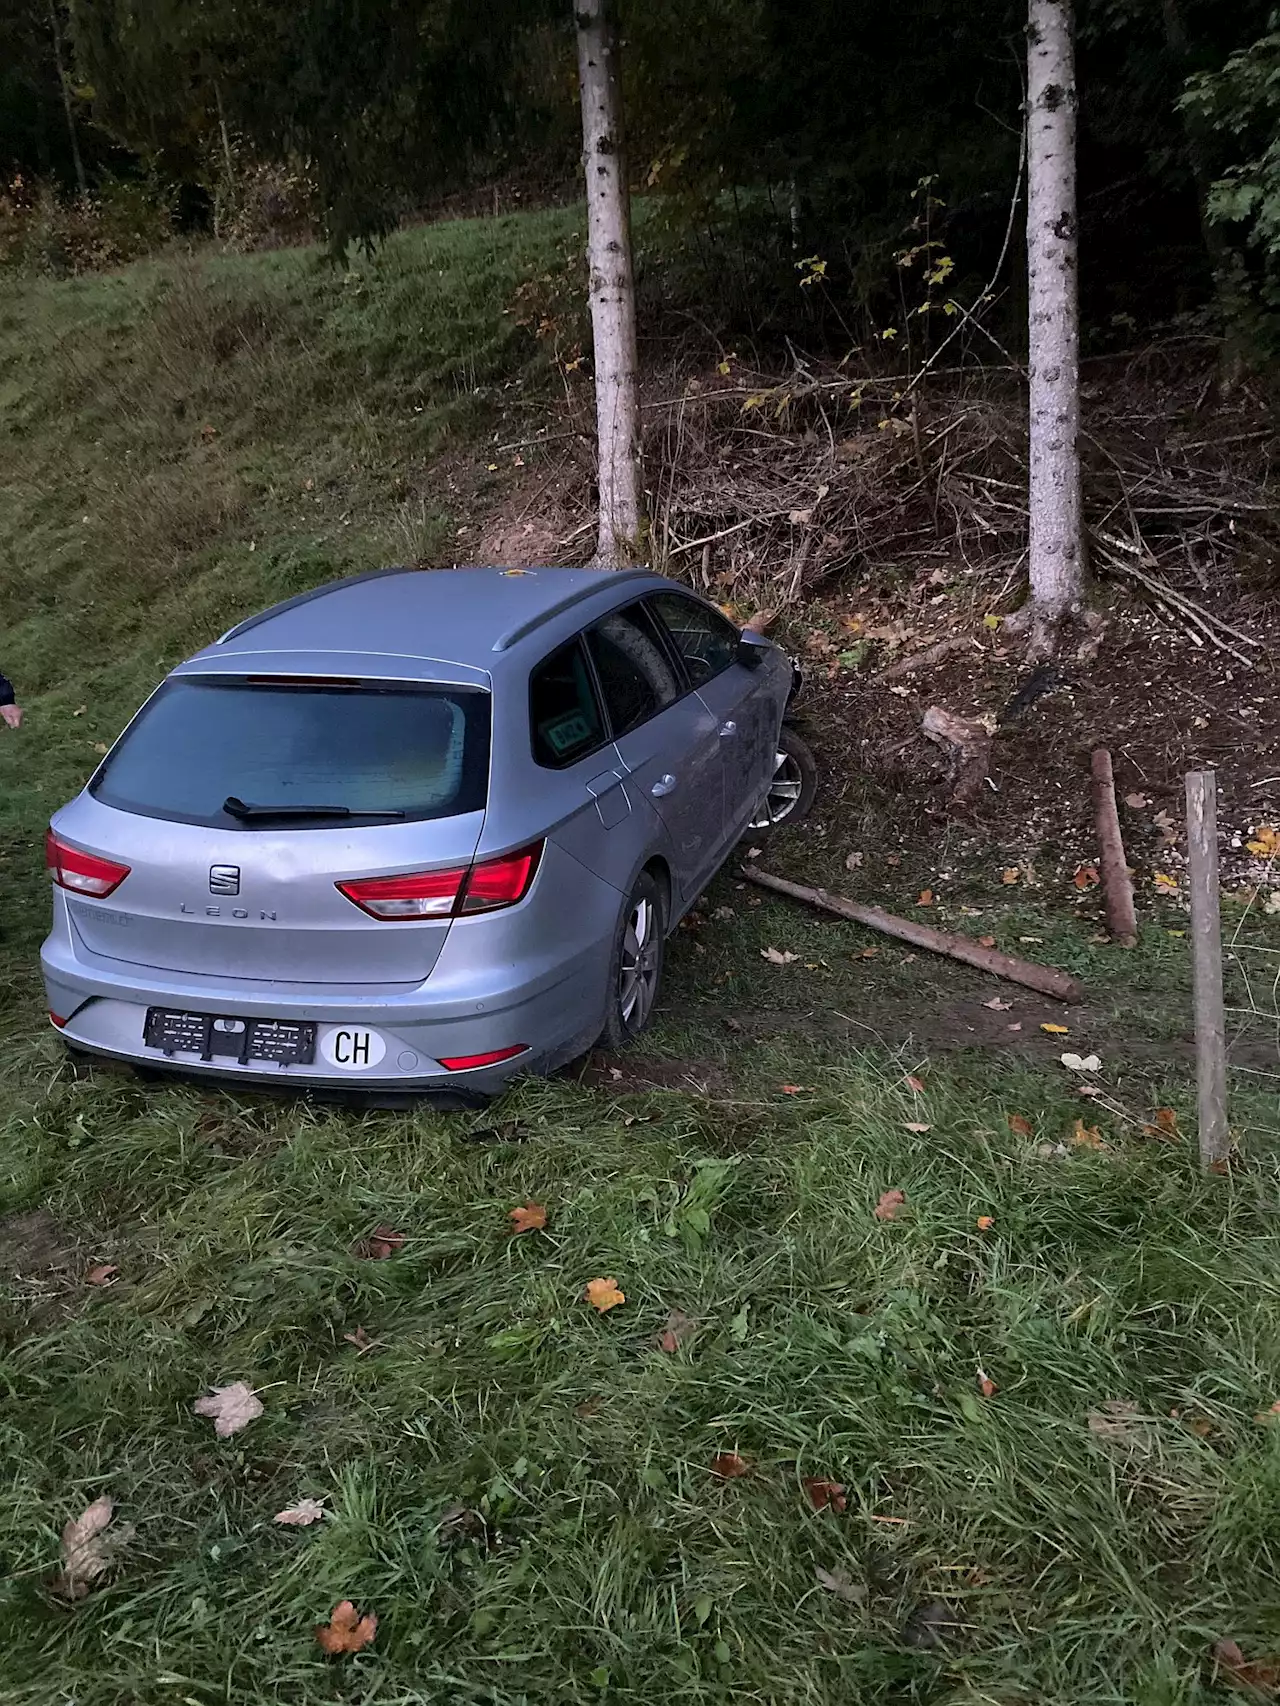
<point x="1206" y="966"/>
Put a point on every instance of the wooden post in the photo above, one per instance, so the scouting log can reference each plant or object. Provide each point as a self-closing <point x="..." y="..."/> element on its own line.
<point x="1117" y="889"/>
<point x="1206" y="965"/>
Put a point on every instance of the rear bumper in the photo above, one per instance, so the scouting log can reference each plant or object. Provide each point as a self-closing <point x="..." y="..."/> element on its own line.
<point x="543" y="990"/>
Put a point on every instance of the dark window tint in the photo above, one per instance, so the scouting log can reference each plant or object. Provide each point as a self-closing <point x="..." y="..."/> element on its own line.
<point x="411" y="753"/>
<point x="563" y="711"/>
<point x="637" y="677"/>
<point x="705" y="640"/>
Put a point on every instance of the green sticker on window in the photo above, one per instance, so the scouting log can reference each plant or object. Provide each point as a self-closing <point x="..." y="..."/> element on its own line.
<point x="567" y="732"/>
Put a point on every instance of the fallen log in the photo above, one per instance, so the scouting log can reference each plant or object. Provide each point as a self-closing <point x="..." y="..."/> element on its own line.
<point x="922" y="660"/>
<point x="1117" y="886"/>
<point x="1044" y="979"/>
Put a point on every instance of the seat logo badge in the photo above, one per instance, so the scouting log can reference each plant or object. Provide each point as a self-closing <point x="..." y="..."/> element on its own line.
<point x="224" y="879"/>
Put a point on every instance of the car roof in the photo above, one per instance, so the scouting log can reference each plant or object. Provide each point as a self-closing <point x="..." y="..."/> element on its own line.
<point x="472" y="617"/>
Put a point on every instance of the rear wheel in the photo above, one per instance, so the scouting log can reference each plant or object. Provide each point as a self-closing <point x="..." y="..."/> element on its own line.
<point x="795" y="783"/>
<point x="636" y="969"/>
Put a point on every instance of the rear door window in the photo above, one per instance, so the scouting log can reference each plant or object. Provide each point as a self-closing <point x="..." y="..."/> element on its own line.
<point x="637" y="676"/>
<point x="407" y="753"/>
<point x="564" y="713"/>
<point x="705" y="640"/>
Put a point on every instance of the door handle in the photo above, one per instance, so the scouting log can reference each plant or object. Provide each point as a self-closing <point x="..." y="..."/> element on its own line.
<point x="727" y="730"/>
<point x="664" y="785"/>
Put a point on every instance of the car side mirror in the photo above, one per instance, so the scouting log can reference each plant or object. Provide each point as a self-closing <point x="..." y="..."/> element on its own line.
<point x="751" y="650"/>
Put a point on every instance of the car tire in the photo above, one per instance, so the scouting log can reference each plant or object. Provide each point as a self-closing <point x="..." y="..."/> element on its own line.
<point x="794" y="787"/>
<point x="635" y="970"/>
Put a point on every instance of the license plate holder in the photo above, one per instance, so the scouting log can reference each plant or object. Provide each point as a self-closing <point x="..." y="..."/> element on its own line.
<point x="213" y="1036"/>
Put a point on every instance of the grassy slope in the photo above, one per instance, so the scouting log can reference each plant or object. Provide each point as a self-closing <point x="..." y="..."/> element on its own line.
<point x="1073" y="1566"/>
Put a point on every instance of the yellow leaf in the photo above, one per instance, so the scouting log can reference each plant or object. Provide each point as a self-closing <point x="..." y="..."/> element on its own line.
<point x="1165" y="883"/>
<point x="603" y="1294"/>
<point x="1056" y="1030"/>
<point x="1086" y="1136"/>
<point x="986" y="1222"/>
<point x="990" y="621"/>
<point x="531" y="1218"/>
<point x="1010" y="874"/>
<point x="1266" y="843"/>
<point x="926" y="898"/>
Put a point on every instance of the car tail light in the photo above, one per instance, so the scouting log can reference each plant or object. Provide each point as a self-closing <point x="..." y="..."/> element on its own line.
<point x="468" y="1062"/>
<point x="485" y="887"/>
<point x="82" y="873"/>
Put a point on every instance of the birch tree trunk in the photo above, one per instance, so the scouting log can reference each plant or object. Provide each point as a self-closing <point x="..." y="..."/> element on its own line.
<point x="1057" y="559"/>
<point x="55" y="25"/>
<point x="612" y="288"/>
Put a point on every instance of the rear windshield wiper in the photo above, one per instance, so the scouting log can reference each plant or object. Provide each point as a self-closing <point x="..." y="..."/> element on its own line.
<point x="235" y="807"/>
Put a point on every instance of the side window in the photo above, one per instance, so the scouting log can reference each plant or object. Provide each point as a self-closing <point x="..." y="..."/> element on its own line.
<point x="636" y="676"/>
<point x="705" y="640"/>
<point x="564" y="715"/>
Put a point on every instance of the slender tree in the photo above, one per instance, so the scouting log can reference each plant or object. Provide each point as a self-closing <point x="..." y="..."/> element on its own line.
<point x="1057" y="557"/>
<point x="611" y="286"/>
<point x="64" y="80"/>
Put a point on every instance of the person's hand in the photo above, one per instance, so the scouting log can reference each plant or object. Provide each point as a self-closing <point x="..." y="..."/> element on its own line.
<point x="11" y="715"/>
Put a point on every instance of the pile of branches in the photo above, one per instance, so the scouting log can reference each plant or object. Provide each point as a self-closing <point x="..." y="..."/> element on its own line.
<point x="767" y="487"/>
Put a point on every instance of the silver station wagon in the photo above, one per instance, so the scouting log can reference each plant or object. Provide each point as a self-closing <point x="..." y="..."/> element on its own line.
<point x="415" y="831"/>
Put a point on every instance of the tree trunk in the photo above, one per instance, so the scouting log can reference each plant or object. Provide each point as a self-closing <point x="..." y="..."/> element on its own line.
<point x="612" y="289"/>
<point x="55" y="24"/>
<point x="1057" y="567"/>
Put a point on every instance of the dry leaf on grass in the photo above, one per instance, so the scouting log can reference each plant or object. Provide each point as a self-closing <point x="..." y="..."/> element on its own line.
<point x="778" y="956"/>
<point x="1164" y="1124"/>
<point x="346" y="1631"/>
<point x="1019" y="1124"/>
<point x="1115" y="1418"/>
<point x="603" y="1294"/>
<point x="106" y="1273"/>
<point x="1260" y="1674"/>
<point x="926" y="898"/>
<point x="1268" y="1415"/>
<point x="1055" y="1030"/>
<point x="793" y="1089"/>
<point x="986" y="1385"/>
<point x="826" y="1493"/>
<point x="1165" y="883"/>
<point x="852" y="861"/>
<point x="87" y="1550"/>
<point x="838" y="1583"/>
<point x="913" y="1125"/>
<point x="729" y="1466"/>
<point x="1086" y="1136"/>
<point x="679" y="1327"/>
<point x="998" y="1006"/>
<point x="1086" y="876"/>
<point x="1010" y="874"/>
<point x="889" y="1204"/>
<point x="913" y="1083"/>
<point x="361" y="1340"/>
<point x="1266" y="841"/>
<point x="985" y="1222"/>
<point x="382" y="1242"/>
<point x="301" y="1515"/>
<point x="531" y="1218"/>
<point x="986" y="942"/>
<point x="1137" y="801"/>
<point x="231" y="1407"/>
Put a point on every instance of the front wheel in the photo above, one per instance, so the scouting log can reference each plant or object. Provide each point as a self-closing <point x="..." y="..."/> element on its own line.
<point x="795" y="783"/>
<point x="636" y="969"/>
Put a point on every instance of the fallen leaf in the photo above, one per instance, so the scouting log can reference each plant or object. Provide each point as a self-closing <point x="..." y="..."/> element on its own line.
<point x="603" y="1294"/>
<point x="1081" y="1063"/>
<point x="679" y="1327"/>
<point x="793" y="1089"/>
<point x="926" y="898"/>
<point x="1137" y="801"/>
<point x="382" y="1242"/>
<point x="1089" y="1090"/>
<point x="839" y="1583"/>
<point x="1266" y="842"/>
<point x="824" y="1493"/>
<point x="778" y="957"/>
<point x="361" y="1340"/>
<point x="1164" y="1123"/>
<point x="986" y="1222"/>
<point x="1013" y="1027"/>
<point x="1168" y="829"/>
<point x="1086" y="1136"/>
<point x="301" y="1515"/>
<point x="1113" y="1419"/>
<point x="460" y="1522"/>
<point x="723" y="914"/>
<point x="104" y="1274"/>
<point x="1260" y="1674"/>
<point x="1086" y="876"/>
<point x="1019" y="1123"/>
<point x="231" y="1407"/>
<point x="729" y="1466"/>
<point x="913" y="1083"/>
<point x="1010" y="874"/>
<point x="893" y="859"/>
<point x="346" y="1631"/>
<point x="1202" y="1427"/>
<point x="987" y="942"/>
<point x="1056" y="1030"/>
<point x="867" y="954"/>
<point x="1268" y="1415"/>
<point x="986" y="1385"/>
<point x="87" y="1551"/>
<point x="1165" y="883"/>
<point x="531" y="1218"/>
<point x="853" y="861"/>
<point x="1031" y="938"/>
<point x="889" y="1204"/>
<point x="916" y="1128"/>
<point x="998" y="1006"/>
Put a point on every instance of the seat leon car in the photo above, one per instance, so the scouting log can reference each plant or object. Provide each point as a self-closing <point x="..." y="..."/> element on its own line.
<point x="413" y="831"/>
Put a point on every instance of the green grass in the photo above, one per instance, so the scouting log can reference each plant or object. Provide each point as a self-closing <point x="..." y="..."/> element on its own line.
<point x="606" y="1563"/>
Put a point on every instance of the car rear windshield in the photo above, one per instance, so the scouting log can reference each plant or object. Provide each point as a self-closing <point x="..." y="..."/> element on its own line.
<point x="372" y="751"/>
